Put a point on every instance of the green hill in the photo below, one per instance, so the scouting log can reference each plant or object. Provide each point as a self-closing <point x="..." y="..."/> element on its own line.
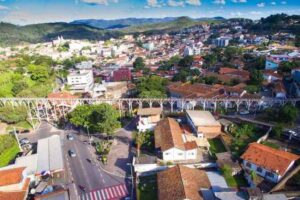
<point x="12" y="34"/>
<point x="176" y="25"/>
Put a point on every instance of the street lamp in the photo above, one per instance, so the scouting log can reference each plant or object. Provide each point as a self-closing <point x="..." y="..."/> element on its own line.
<point x="132" y="185"/>
<point x="87" y="128"/>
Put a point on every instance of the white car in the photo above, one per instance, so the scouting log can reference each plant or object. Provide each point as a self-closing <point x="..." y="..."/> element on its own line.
<point x="244" y="112"/>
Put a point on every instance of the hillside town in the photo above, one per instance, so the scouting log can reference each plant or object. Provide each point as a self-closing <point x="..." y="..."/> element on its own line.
<point x="210" y="112"/>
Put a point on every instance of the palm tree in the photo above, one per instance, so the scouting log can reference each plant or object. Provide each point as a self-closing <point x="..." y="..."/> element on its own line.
<point x="139" y="140"/>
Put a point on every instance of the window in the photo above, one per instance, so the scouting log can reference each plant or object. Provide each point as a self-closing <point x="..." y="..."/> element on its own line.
<point x="166" y="154"/>
<point x="259" y="169"/>
<point x="270" y="174"/>
<point x="248" y="164"/>
<point x="180" y="154"/>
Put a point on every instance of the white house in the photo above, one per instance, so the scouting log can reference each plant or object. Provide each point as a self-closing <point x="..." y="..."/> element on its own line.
<point x="148" y="118"/>
<point x="171" y="144"/>
<point x="267" y="162"/>
<point x="84" y="65"/>
<point x="81" y="81"/>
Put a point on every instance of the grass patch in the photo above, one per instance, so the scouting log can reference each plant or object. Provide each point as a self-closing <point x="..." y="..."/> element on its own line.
<point x="233" y="181"/>
<point x="147" y="188"/>
<point x="9" y="154"/>
<point x="271" y="144"/>
<point x="216" y="145"/>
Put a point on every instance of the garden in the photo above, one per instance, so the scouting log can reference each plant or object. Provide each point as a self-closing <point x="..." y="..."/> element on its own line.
<point x="242" y="136"/>
<point x="147" y="187"/>
<point x="216" y="146"/>
<point x="237" y="180"/>
<point x="9" y="148"/>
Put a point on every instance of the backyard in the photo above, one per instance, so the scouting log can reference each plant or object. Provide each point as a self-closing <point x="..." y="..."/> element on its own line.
<point x="216" y="146"/>
<point x="9" y="149"/>
<point x="244" y="135"/>
<point x="237" y="180"/>
<point x="147" y="188"/>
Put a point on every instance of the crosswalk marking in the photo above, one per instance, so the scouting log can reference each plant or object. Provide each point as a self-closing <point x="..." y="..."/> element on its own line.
<point x="109" y="193"/>
<point x="103" y="194"/>
<point x="99" y="195"/>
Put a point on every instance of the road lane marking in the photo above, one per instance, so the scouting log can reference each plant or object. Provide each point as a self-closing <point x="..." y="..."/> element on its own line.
<point x="103" y="194"/>
<point x="99" y="195"/>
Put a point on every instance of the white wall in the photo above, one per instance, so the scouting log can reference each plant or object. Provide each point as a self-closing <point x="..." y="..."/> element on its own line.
<point x="175" y="154"/>
<point x="253" y="167"/>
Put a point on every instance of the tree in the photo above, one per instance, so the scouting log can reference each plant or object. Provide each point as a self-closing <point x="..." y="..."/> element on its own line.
<point x="186" y="62"/>
<point x="139" y="63"/>
<point x="232" y="52"/>
<point x="152" y="86"/>
<point x="39" y="73"/>
<point x="139" y="139"/>
<point x="288" y="113"/>
<point x="80" y="115"/>
<point x="98" y="118"/>
<point x="256" y="77"/>
<point x="297" y="41"/>
<point x="12" y="115"/>
<point x="19" y="86"/>
<point x="210" y="60"/>
<point x="104" y="119"/>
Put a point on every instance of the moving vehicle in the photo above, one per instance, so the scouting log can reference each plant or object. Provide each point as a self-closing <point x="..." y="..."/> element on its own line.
<point x="72" y="153"/>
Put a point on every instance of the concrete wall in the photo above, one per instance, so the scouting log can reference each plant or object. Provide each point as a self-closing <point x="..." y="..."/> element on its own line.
<point x="178" y="154"/>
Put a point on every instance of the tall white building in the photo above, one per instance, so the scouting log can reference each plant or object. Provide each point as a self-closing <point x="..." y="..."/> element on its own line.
<point x="222" y="41"/>
<point x="81" y="81"/>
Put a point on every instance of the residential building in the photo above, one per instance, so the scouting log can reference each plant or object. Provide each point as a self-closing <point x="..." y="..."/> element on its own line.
<point x="273" y="61"/>
<point x="171" y="143"/>
<point x="122" y="74"/>
<point x="113" y="90"/>
<point x="197" y="90"/>
<point x="14" y="183"/>
<point x="203" y="123"/>
<point x="81" y="81"/>
<point x="279" y="90"/>
<point x="180" y="182"/>
<point x="222" y="41"/>
<point x="85" y="65"/>
<point x="267" y="162"/>
<point x="148" y="118"/>
<point x="271" y="76"/>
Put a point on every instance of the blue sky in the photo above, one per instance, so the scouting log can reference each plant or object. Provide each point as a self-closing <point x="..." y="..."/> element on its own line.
<point x="37" y="11"/>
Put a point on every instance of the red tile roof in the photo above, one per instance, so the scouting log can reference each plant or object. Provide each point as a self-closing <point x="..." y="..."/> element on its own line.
<point x="61" y="95"/>
<point x="180" y="182"/>
<point x="11" y="176"/>
<point x="168" y="134"/>
<point x="269" y="158"/>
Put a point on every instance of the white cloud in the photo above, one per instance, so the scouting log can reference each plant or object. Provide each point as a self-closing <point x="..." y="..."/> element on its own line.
<point x="219" y="2"/>
<point x="3" y="7"/>
<point x="194" y="2"/>
<point x="239" y="1"/>
<point x="153" y="4"/>
<point x="174" y="3"/>
<point x="260" y="5"/>
<point x="236" y="14"/>
<point x="98" y="2"/>
<point x="283" y="2"/>
<point x="273" y="3"/>
<point x="256" y="13"/>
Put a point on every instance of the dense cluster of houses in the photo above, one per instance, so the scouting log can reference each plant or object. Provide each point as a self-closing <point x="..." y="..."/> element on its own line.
<point x="183" y="143"/>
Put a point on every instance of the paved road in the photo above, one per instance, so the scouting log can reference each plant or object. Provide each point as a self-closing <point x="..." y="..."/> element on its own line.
<point x="80" y="171"/>
<point x="83" y="169"/>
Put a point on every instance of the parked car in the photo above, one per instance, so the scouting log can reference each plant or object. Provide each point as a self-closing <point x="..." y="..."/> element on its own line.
<point x="72" y="153"/>
<point x="244" y="112"/>
<point x="70" y="137"/>
<point x="24" y="141"/>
